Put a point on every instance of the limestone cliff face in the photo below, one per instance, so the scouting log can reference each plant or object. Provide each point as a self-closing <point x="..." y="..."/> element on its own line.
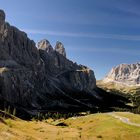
<point x="128" y="74"/>
<point x="60" y="48"/>
<point x="70" y="75"/>
<point x="15" y="45"/>
<point x="41" y="78"/>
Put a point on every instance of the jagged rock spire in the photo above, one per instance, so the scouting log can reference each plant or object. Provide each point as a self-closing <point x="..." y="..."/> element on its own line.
<point x="60" y="48"/>
<point x="45" y="45"/>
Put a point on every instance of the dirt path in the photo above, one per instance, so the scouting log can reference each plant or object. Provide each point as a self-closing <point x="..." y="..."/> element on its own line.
<point x="123" y="119"/>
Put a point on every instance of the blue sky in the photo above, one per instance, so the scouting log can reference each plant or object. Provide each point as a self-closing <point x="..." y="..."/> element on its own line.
<point x="96" y="33"/>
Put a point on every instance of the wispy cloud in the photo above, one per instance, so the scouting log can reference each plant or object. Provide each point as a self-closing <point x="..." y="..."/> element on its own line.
<point x="85" y="35"/>
<point x="131" y="7"/>
<point x="94" y="49"/>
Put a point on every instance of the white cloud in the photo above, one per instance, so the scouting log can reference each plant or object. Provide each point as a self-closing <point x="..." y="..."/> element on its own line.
<point x="85" y="35"/>
<point x="94" y="49"/>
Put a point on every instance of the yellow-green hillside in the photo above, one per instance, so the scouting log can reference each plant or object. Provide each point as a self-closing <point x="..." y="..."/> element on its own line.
<point x="112" y="86"/>
<point x="100" y="126"/>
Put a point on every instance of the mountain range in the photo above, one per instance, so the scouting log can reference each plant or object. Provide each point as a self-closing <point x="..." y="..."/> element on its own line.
<point x="36" y="79"/>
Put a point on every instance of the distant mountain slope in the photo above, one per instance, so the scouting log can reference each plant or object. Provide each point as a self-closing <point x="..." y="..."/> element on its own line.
<point x="126" y="74"/>
<point x="124" y="78"/>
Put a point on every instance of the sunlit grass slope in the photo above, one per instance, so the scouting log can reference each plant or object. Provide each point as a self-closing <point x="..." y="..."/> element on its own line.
<point x="111" y="86"/>
<point x="91" y="127"/>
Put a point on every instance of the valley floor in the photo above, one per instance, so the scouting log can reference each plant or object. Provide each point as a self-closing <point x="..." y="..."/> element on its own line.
<point x="100" y="126"/>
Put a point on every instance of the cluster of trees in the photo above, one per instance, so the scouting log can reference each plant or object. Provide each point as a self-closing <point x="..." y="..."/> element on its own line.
<point x="135" y="98"/>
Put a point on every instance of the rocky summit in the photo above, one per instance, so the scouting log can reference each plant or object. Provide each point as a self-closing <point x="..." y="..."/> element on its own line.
<point x="37" y="79"/>
<point x="126" y="74"/>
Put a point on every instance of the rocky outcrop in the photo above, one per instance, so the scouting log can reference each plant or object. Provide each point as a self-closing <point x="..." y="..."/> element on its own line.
<point x="72" y="76"/>
<point x="60" y="48"/>
<point x="127" y="74"/>
<point x="45" y="45"/>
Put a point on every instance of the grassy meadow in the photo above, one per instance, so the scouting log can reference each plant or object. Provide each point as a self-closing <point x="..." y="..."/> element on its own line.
<point x="99" y="126"/>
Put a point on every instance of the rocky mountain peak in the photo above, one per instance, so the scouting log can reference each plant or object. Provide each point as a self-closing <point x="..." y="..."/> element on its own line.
<point x="125" y="73"/>
<point x="45" y="45"/>
<point x="59" y="47"/>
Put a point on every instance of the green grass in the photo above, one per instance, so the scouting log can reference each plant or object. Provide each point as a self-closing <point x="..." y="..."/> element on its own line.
<point x="105" y="126"/>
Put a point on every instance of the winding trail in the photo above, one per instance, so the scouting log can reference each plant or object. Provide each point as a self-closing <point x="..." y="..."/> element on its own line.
<point x="123" y="119"/>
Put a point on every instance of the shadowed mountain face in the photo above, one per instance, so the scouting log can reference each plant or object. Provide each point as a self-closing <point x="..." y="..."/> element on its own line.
<point x="40" y="79"/>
